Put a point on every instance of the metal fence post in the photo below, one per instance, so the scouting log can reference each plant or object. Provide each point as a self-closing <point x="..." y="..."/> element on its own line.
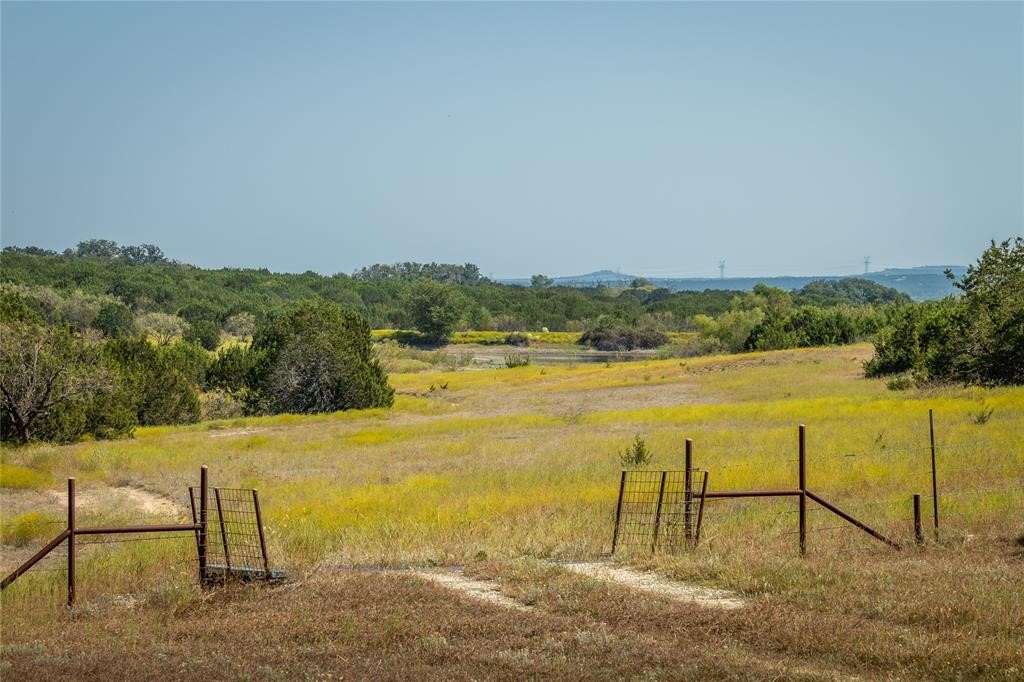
<point x="688" y="494"/>
<point x="935" y="484"/>
<point x="918" y="535"/>
<point x="803" y="490"/>
<point x="223" y="530"/>
<point x="700" y="510"/>
<point x="657" y="513"/>
<point x="203" y="504"/>
<point x="259" y="523"/>
<point x="618" y="511"/>
<point x="71" y="542"/>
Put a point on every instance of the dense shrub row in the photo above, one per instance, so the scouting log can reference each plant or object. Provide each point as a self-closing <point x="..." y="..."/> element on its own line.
<point x="137" y="287"/>
<point x="619" y="338"/>
<point x="976" y="338"/>
<point x="60" y="384"/>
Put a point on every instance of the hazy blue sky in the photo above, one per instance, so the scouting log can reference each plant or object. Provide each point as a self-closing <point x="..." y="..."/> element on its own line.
<point x="784" y="138"/>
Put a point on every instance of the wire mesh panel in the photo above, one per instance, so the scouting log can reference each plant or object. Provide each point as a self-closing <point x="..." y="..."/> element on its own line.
<point x="234" y="539"/>
<point x="656" y="510"/>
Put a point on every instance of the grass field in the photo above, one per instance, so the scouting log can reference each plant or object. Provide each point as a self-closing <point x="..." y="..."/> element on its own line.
<point x="506" y="472"/>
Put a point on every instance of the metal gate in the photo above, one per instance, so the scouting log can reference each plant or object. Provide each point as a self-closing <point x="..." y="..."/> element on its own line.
<point x="659" y="510"/>
<point x="235" y="544"/>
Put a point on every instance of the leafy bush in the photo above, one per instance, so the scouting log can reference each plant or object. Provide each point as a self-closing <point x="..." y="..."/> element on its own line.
<point x="315" y="357"/>
<point x="115" y="320"/>
<point x="636" y="454"/>
<point x="983" y="415"/>
<point x="517" y="339"/>
<point x="15" y="308"/>
<point x="161" y="383"/>
<point x="204" y="333"/>
<point x="513" y="361"/>
<point x="219" y="404"/>
<point x="435" y="308"/>
<point x="901" y="382"/>
<point x="618" y="338"/>
<point x="241" y="325"/>
<point x="978" y="338"/>
<point x="849" y="290"/>
<point x="49" y="378"/>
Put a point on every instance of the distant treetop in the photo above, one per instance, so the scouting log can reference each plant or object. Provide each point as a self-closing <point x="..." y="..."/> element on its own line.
<point x="850" y="290"/>
<point x="102" y="249"/>
<point x="410" y="272"/>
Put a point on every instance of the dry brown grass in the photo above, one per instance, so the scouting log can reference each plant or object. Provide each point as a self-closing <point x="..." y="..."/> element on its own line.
<point x="912" y="616"/>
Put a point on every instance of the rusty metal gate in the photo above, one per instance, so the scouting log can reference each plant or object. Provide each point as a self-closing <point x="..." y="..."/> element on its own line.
<point x="659" y="510"/>
<point x="235" y="542"/>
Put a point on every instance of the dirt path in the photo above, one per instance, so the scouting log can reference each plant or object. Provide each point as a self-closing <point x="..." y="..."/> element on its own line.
<point x="657" y="585"/>
<point x="487" y="591"/>
<point x="99" y="498"/>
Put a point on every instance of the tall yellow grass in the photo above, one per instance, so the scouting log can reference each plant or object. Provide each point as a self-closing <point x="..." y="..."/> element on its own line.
<point x="479" y="467"/>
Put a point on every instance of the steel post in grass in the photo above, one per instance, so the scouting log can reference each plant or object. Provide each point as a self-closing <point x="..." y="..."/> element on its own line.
<point x="859" y="524"/>
<point x="618" y="511"/>
<point x="700" y="509"/>
<point x="223" y="530"/>
<point x="203" y="504"/>
<point x="259" y="524"/>
<point x="34" y="559"/>
<point x="918" y="535"/>
<point x="935" y="484"/>
<point x="688" y="495"/>
<point x="195" y="516"/>
<point x="803" y="489"/>
<point x="657" y="512"/>
<point x="71" y="542"/>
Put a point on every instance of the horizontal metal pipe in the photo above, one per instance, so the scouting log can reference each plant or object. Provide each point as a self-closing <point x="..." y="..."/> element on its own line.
<point x="111" y="530"/>
<point x="863" y="526"/>
<point x="752" y="493"/>
<point x="50" y="546"/>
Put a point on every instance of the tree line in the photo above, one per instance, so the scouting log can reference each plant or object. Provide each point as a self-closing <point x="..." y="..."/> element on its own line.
<point x="101" y="339"/>
<point x="142" y="291"/>
<point x="975" y="338"/>
<point x="62" y="384"/>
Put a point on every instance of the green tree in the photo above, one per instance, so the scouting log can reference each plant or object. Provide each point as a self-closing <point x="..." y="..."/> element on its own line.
<point x="161" y="327"/>
<point x="992" y="345"/>
<point x="15" y="308"/>
<point x="204" y="333"/>
<point x="976" y="339"/>
<point x="42" y="371"/>
<point x="639" y="283"/>
<point x="435" y="308"/>
<point x="316" y="357"/>
<point x="162" y="381"/>
<point x="114" y="320"/>
<point x="98" y="248"/>
<point x="541" y="281"/>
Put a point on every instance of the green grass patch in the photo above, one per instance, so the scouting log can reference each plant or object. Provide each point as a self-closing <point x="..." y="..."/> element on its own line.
<point x="14" y="476"/>
<point x="33" y="525"/>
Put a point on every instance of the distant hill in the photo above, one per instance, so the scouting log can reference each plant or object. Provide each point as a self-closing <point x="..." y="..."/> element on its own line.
<point x="920" y="283"/>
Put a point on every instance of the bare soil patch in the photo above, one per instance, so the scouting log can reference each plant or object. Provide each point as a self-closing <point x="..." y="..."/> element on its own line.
<point x="100" y="498"/>
<point x="657" y="585"/>
<point x="488" y="591"/>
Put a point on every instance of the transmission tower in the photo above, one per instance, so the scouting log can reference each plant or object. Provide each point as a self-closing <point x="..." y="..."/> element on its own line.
<point x="867" y="264"/>
<point x="721" y="269"/>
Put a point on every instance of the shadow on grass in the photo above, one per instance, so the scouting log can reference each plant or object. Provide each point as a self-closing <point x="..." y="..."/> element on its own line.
<point x="417" y="340"/>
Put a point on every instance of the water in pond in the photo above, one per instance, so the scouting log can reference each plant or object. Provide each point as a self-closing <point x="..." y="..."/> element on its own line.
<point x="545" y="356"/>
